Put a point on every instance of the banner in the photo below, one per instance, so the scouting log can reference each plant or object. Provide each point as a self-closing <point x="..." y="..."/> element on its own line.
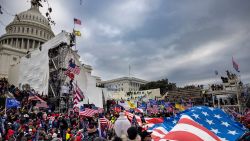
<point x="12" y="103"/>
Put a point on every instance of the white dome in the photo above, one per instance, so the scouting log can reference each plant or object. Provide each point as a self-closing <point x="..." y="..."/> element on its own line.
<point x="28" y="30"/>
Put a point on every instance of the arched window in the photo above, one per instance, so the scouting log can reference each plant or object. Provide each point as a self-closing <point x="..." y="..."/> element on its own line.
<point x="22" y="29"/>
<point x="28" y="30"/>
<point x="31" y="30"/>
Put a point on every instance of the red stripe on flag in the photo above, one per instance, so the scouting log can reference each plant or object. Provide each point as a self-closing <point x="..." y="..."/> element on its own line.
<point x="75" y="70"/>
<point x="187" y="129"/>
<point x="88" y="112"/>
<point x="191" y="122"/>
<point x="105" y="122"/>
<point x="183" y="136"/>
<point x="130" y="117"/>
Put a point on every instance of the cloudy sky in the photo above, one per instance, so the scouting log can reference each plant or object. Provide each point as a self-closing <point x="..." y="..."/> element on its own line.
<point x="184" y="41"/>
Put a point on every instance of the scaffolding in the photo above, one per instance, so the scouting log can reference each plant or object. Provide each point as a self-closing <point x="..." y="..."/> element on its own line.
<point x="57" y="79"/>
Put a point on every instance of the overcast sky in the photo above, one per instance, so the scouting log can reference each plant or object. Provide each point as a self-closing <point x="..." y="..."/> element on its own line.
<point x="184" y="41"/>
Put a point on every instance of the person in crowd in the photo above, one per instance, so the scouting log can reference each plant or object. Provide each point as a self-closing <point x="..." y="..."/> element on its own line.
<point x="146" y="136"/>
<point x="92" y="131"/>
<point x="133" y="134"/>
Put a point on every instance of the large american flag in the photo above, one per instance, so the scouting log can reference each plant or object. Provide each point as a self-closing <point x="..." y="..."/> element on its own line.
<point x="212" y="119"/>
<point x="78" y="96"/>
<point x="187" y="129"/>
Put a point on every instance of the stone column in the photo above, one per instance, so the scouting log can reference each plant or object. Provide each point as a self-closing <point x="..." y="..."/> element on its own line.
<point x="11" y="41"/>
<point x="28" y="44"/>
<point x="16" y="42"/>
<point x="22" y="44"/>
<point x="33" y="46"/>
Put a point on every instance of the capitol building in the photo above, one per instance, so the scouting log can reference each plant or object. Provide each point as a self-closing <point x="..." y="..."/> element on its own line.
<point x="27" y="32"/>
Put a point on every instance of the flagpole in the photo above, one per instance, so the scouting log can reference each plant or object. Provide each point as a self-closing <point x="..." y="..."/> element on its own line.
<point x="74" y="33"/>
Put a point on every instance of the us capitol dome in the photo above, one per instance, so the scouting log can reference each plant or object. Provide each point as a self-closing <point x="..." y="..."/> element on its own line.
<point x="26" y="32"/>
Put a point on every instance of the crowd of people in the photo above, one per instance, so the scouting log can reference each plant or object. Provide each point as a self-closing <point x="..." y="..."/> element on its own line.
<point x="25" y="123"/>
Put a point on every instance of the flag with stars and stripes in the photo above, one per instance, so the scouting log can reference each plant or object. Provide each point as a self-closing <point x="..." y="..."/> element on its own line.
<point x="105" y="122"/>
<point x="88" y="112"/>
<point x="213" y="119"/>
<point x="78" y="96"/>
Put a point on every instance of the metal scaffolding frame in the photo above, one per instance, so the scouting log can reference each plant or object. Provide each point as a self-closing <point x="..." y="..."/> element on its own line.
<point x="57" y="78"/>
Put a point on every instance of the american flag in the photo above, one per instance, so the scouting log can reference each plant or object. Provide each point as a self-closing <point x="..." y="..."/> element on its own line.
<point x="88" y="112"/>
<point x="188" y="129"/>
<point x="138" y="110"/>
<point x="99" y="110"/>
<point x="131" y="116"/>
<point x="150" y="122"/>
<point x="154" y="109"/>
<point x="213" y="119"/>
<point x="235" y="65"/>
<point x="75" y="69"/>
<point x="78" y="96"/>
<point x="106" y="123"/>
<point x="77" y="21"/>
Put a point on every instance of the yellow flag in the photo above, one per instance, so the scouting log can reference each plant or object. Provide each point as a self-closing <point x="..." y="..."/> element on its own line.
<point x="131" y="105"/>
<point x="180" y="107"/>
<point x="77" y="33"/>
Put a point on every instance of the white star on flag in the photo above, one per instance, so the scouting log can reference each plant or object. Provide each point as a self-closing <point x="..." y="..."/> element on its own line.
<point x="210" y="108"/>
<point x="232" y="132"/>
<point x="205" y="113"/>
<point x="196" y="116"/>
<point x="174" y="122"/>
<point x="209" y="121"/>
<point x="225" y="123"/>
<point x="217" y="116"/>
<point x="215" y="131"/>
<point x="223" y="139"/>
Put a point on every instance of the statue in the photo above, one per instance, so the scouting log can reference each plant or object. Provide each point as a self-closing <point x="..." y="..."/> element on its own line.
<point x="36" y="3"/>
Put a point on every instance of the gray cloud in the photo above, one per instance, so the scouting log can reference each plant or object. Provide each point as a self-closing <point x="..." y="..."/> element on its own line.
<point x="184" y="41"/>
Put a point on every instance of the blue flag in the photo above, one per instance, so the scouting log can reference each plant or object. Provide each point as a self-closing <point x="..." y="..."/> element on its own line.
<point x="214" y="119"/>
<point x="143" y="106"/>
<point x="12" y="103"/>
<point x="152" y="102"/>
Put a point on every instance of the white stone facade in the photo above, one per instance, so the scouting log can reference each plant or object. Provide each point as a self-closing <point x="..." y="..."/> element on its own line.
<point x="126" y="84"/>
<point x="145" y="94"/>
